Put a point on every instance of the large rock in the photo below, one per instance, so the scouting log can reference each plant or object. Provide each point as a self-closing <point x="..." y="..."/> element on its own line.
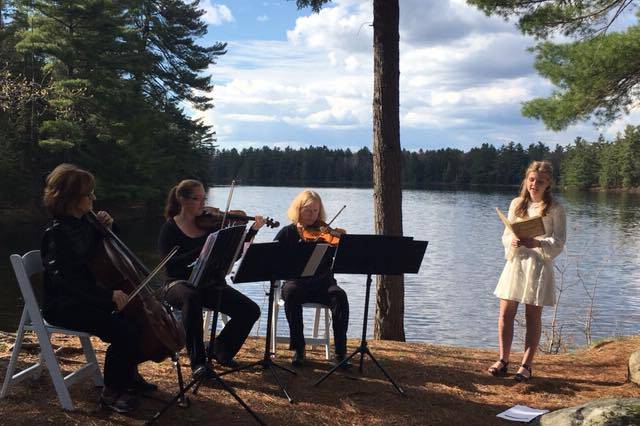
<point x="634" y="367"/>
<point x="601" y="412"/>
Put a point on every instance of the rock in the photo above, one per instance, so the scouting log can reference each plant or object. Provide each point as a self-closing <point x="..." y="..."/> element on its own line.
<point x="634" y="367"/>
<point x="600" y="412"/>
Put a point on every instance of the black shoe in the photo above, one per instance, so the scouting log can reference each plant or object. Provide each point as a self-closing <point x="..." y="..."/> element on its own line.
<point x="139" y="385"/>
<point x="298" y="358"/>
<point x="199" y="371"/>
<point x="229" y="363"/>
<point x="223" y="357"/>
<point x="339" y="358"/>
<point x="499" y="368"/>
<point x="120" y="402"/>
<point x="519" y="377"/>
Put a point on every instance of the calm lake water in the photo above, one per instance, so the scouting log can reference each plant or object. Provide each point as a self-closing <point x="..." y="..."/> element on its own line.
<point x="450" y="300"/>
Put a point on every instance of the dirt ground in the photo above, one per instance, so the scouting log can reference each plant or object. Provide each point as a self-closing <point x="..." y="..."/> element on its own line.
<point x="444" y="385"/>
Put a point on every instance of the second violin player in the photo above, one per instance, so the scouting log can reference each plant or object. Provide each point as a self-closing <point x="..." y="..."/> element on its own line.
<point x="306" y="212"/>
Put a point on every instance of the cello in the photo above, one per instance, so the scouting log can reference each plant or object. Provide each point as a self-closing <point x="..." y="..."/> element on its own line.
<point x="115" y="265"/>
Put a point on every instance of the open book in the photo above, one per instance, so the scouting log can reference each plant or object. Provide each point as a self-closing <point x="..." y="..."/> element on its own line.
<point x="527" y="228"/>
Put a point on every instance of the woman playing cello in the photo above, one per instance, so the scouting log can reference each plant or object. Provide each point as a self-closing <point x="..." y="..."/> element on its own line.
<point x="307" y="216"/>
<point x="184" y="204"/>
<point x="72" y="296"/>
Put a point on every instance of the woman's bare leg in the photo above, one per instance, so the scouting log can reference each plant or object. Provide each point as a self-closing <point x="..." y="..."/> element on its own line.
<point x="533" y="316"/>
<point x="508" y="309"/>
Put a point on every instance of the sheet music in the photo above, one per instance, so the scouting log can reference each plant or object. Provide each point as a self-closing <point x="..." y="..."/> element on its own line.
<point x="314" y="260"/>
<point x="217" y="254"/>
<point x="521" y="413"/>
<point x="197" y="270"/>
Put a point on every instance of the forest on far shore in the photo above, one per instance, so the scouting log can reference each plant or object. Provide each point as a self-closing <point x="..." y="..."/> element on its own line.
<point x="581" y="165"/>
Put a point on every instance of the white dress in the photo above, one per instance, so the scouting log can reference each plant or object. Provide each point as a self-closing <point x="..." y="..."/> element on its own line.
<point x="527" y="276"/>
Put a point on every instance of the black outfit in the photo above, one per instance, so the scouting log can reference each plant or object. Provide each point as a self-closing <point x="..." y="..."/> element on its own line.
<point x="74" y="299"/>
<point x="321" y="288"/>
<point x="243" y="312"/>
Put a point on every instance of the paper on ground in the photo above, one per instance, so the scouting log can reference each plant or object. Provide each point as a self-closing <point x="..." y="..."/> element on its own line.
<point x="521" y="413"/>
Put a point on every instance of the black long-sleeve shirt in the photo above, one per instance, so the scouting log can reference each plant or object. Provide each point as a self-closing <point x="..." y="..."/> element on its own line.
<point x="180" y="265"/>
<point x="290" y="235"/>
<point x="68" y="245"/>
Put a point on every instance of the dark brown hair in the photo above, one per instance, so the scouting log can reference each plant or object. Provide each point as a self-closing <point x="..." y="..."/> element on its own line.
<point x="542" y="167"/>
<point x="64" y="186"/>
<point x="183" y="189"/>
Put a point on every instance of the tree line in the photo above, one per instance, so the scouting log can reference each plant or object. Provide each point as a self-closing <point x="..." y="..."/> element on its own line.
<point x="583" y="165"/>
<point x="103" y="84"/>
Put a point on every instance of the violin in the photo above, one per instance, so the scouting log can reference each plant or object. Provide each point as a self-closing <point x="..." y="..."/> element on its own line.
<point x="211" y="219"/>
<point x="321" y="233"/>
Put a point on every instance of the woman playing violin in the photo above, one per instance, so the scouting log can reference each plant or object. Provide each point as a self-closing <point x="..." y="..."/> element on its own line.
<point x="72" y="296"/>
<point x="185" y="204"/>
<point x="307" y="216"/>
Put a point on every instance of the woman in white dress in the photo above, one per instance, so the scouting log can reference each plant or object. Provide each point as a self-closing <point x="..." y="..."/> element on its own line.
<point x="528" y="274"/>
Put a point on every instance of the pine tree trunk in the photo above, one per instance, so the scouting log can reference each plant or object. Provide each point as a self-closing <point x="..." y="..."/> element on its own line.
<point x="387" y="193"/>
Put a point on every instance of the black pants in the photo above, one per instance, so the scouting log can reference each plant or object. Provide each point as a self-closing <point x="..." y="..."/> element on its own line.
<point x="326" y="292"/>
<point x="243" y="313"/>
<point x="122" y="355"/>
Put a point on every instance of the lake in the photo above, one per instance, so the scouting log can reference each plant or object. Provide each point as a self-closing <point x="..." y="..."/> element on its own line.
<point x="450" y="300"/>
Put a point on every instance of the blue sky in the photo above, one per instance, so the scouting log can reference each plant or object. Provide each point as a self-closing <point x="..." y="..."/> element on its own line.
<point x="295" y="78"/>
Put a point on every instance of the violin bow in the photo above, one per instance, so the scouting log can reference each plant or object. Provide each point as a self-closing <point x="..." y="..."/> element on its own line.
<point x="337" y="214"/>
<point x="328" y="225"/>
<point x="150" y="276"/>
<point x="226" y="209"/>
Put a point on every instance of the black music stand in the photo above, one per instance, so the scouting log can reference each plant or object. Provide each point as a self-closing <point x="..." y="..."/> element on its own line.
<point x="271" y="262"/>
<point x="375" y="255"/>
<point x="217" y="261"/>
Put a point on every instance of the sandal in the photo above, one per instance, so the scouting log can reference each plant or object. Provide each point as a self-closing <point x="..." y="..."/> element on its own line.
<point x="519" y="377"/>
<point x="499" y="371"/>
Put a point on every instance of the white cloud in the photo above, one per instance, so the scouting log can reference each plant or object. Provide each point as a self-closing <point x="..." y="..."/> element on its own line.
<point x="250" y="117"/>
<point x="463" y="75"/>
<point x="262" y="18"/>
<point x="216" y="14"/>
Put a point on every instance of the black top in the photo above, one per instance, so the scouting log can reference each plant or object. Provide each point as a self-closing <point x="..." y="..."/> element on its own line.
<point x="67" y="246"/>
<point x="180" y="265"/>
<point x="290" y="235"/>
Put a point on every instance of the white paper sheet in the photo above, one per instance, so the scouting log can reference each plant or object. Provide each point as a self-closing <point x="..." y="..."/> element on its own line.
<point x="521" y="413"/>
<point x="314" y="260"/>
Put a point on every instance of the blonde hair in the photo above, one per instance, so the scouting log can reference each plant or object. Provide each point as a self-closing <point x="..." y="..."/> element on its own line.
<point x="183" y="189"/>
<point x="305" y="198"/>
<point x="64" y="186"/>
<point x="542" y="167"/>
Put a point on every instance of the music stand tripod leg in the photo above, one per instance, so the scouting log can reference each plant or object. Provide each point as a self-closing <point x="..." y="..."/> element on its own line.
<point x="389" y="378"/>
<point x="363" y="348"/>
<point x="335" y="367"/>
<point x="266" y="362"/>
<point x="210" y="374"/>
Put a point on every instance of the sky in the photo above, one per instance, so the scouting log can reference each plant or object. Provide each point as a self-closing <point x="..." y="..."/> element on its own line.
<point x="296" y="78"/>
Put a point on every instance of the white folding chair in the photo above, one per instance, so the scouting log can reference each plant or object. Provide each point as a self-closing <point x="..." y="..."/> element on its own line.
<point x="314" y="340"/>
<point x="25" y="267"/>
<point x="208" y="318"/>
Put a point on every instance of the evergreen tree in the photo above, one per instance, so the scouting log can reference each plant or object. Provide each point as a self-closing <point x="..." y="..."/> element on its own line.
<point x="630" y="157"/>
<point x="596" y="75"/>
<point x="580" y="166"/>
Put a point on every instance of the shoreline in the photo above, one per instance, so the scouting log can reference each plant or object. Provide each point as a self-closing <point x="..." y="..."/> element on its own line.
<point x="445" y="385"/>
<point x="33" y="211"/>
